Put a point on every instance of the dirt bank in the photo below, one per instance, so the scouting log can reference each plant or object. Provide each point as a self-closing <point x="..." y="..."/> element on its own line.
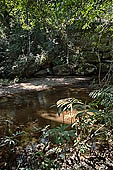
<point x="39" y="84"/>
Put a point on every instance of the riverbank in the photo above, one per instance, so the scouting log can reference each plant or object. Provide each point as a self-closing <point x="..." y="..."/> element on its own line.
<point x="39" y="84"/>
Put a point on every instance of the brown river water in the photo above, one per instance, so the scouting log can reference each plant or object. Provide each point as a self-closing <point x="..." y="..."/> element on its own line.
<point x="38" y="106"/>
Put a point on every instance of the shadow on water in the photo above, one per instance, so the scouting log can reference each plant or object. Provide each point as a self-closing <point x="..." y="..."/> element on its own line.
<point x="37" y="105"/>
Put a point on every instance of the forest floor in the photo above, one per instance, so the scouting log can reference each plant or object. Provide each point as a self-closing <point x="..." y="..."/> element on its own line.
<point x="39" y="84"/>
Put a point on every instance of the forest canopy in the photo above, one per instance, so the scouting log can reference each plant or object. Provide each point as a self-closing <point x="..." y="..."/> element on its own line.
<point x="57" y="13"/>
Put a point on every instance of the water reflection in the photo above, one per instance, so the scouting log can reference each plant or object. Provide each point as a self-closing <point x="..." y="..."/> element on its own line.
<point x="37" y="105"/>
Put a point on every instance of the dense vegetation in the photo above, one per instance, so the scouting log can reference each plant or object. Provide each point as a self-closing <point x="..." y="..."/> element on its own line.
<point x="43" y="34"/>
<point x="73" y="37"/>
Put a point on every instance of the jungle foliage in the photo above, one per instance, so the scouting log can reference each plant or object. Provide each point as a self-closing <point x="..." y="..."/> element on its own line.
<point x="34" y="34"/>
<point x="37" y="33"/>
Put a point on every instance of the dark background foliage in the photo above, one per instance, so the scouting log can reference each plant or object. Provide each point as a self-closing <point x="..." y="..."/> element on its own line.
<point x="42" y="35"/>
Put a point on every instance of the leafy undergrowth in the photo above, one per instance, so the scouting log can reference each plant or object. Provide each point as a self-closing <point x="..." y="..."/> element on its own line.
<point x="85" y="144"/>
<point x="60" y="151"/>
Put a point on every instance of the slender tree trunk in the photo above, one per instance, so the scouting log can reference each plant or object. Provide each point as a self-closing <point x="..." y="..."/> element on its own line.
<point x="67" y="50"/>
<point x="28" y="34"/>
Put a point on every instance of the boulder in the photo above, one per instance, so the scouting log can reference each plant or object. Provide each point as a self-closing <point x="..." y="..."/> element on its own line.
<point x="61" y="70"/>
<point x="86" y="69"/>
<point x="41" y="73"/>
